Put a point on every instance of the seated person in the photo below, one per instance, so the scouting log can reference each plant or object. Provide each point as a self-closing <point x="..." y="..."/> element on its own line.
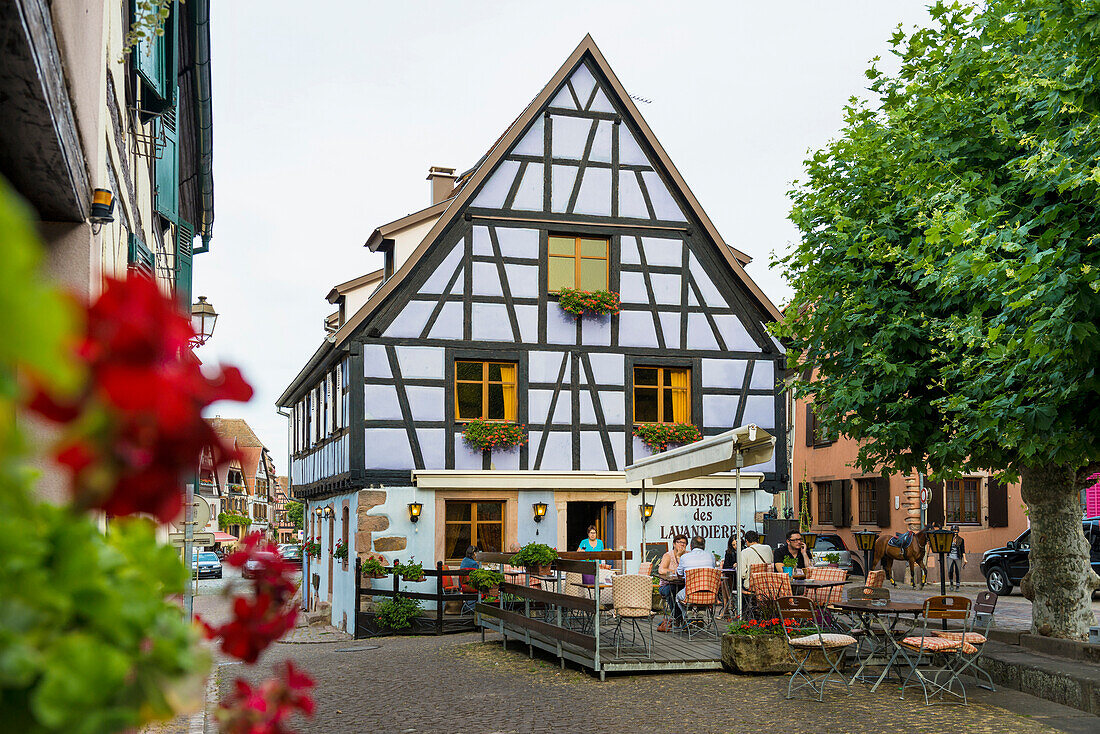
<point x="697" y="557"/>
<point x="666" y="569"/>
<point x="794" y="548"/>
<point x="754" y="553"/>
<point x="469" y="561"/>
<point x="592" y="543"/>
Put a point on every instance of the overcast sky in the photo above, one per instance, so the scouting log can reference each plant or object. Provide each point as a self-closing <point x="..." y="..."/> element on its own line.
<point x="328" y="115"/>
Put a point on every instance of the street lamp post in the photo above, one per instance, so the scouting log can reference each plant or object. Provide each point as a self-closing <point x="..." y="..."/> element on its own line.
<point x="865" y="539"/>
<point x="203" y="317"/>
<point x="940" y="543"/>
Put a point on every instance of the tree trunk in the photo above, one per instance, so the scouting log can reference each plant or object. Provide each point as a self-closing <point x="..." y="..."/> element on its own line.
<point x="1060" y="580"/>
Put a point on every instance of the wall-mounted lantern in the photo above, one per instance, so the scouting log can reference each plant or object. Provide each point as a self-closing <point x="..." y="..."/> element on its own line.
<point x="103" y="207"/>
<point x="414" y="511"/>
<point x="647" y="511"/>
<point x="540" y="511"/>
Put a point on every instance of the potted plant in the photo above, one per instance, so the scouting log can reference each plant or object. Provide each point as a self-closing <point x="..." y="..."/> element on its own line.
<point x="312" y="547"/>
<point x="488" y="435"/>
<point x="789" y="565"/>
<point x="397" y="613"/>
<point x="833" y="559"/>
<point x="759" y="646"/>
<point x="409" y="571"/>
<point x="658" y="436"/>
<point x="485" y="579"/>
<point x="341" y="551"/>
<point x="373" y="567"/>
<point x="535" y="556"/>
<point x="577" y="302"/>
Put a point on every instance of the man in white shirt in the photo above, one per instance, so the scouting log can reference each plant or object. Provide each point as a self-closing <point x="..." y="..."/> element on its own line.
<point x="752" y="554"/>
<point x="697" y="557"/>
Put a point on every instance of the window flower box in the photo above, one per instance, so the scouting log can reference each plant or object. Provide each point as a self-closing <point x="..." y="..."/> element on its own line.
<point x="488" y="435"/>
<point x="658" y="436"/>
<point x="577" y="302"/>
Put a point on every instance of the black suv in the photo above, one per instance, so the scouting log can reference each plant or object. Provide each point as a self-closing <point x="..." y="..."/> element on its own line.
<point x="1004" y="567"/>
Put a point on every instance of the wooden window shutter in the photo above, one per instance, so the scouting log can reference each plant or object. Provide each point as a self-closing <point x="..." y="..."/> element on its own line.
<point x="998" y="503"/>
<point x="846" y="502"/>
<point x="166" y="169"/>
<point x="882" y="501"/>
<point x="836" y="487"/>
<point x="140" y="257"/>
<point x="337" y="416"/>
<point x="185" y="239"/>
<point x="935" y="501"/>
<point x="155" y="61"/>
<point x="809" y="425"/>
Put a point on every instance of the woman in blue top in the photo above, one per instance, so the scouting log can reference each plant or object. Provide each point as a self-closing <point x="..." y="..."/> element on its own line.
<point x="469" y="561"/>
<point x="591" y="544"/>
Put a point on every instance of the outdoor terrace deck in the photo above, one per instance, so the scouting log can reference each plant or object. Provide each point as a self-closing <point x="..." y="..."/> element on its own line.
<point x="669" y="652"/>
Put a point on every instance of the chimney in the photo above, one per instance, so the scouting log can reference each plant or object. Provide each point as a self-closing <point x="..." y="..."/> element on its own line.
<point x="443" y="183"/>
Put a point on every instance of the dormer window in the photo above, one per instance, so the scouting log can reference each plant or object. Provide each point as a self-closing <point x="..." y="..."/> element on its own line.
<point x="577" y="262"/>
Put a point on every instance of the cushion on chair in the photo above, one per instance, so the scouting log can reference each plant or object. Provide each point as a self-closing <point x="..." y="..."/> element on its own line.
<point x="972" y="637"/>
<point x="938" y="644"/>
<point x="826" y="639"/>
<point x="876" y="578"/>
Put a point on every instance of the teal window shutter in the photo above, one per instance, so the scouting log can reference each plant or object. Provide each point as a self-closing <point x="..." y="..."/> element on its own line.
<point x="140" y="257"/>
<point x="155" y="62"/>
<point x="167" y="167"/>
<point x="185" y="237"/>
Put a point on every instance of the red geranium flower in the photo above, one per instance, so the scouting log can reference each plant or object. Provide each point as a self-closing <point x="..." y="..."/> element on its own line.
<point x="265" y="709"/>
<point x="137" y="422"/>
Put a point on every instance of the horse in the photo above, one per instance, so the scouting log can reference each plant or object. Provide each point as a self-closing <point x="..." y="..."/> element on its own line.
<point x="914" y="554"/>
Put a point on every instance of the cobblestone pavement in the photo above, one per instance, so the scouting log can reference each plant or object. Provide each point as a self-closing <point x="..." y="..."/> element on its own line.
<point x="458" y="684"/>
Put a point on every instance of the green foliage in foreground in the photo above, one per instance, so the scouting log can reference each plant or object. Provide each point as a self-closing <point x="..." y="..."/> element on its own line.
<point x="88" y="642"/>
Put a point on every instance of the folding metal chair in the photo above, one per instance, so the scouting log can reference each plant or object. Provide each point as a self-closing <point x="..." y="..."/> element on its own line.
<point x="799" y="609"/>
<point x="984" y="605"/>
<point x="928" y="643"/>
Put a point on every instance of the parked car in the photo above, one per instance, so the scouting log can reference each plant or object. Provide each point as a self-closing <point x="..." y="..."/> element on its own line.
<point x="206" y="564"/>
<point x="291" y="552"/>
<point x="1004" y="567"/>
<point x="833" y="543"/>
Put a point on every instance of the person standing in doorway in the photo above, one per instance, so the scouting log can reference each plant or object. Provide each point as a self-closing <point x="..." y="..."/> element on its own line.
<point x="956" y="556"/>
<point x="592" y="543"/>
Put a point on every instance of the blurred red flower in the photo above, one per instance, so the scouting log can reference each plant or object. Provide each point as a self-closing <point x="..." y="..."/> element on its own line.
<point x="137" y="426"/>
<point x="267" y="615"/>
<point x="265" y="709"/>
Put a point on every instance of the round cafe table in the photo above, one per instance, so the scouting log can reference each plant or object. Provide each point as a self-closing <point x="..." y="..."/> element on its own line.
<point x="873" y="619"/>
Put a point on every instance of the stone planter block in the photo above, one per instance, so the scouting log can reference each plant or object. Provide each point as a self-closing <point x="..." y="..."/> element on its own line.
<point x="764" y="654"/>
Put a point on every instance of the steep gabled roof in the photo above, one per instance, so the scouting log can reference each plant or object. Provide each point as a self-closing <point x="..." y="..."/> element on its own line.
<point x="457" y="204"/>
<point x="350" y="285"/>
<point x="409" y="220"/>
<point x="237" y="430"/>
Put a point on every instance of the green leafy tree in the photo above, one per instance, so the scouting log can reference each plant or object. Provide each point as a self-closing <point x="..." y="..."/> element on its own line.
<point x="294" y="514"/>
<point x="946" y="281"/>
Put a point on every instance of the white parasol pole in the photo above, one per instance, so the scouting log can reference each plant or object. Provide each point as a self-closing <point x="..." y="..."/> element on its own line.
<point x="739" y="462"/>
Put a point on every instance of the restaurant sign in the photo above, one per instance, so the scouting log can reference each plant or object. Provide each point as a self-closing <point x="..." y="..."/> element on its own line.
<point x="705" y="514"/>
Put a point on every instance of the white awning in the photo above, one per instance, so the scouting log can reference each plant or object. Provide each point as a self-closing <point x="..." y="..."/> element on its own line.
<point x="714" y="454"/>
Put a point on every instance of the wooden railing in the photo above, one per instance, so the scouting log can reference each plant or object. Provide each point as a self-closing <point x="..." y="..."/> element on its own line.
<point x="552" y="603"/>
<point x="438" y="596"/>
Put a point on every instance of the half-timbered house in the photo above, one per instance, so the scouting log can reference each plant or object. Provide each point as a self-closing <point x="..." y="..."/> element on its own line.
<point x="463" y="323"/>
